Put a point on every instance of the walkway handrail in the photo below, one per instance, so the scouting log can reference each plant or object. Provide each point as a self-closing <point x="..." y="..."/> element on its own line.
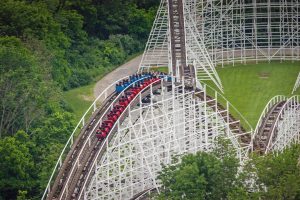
<point x="294" y="98"/>
<point x="71" y="138"/>
<point x="106" y="139"/>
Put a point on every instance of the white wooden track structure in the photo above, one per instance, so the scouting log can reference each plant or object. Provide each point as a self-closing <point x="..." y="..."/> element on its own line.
<point x="179" y="115"/>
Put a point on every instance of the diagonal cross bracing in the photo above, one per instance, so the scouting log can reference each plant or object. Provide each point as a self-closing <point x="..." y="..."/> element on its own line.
<point x="174" y="123"/>
<point x="187" y="55"/>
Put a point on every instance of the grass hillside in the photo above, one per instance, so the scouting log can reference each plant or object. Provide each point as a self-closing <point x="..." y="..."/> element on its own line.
<point x="80" y="99"/>
<point x="250" y="87"/>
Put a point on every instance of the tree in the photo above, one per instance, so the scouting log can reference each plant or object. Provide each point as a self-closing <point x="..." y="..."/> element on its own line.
<point x="278" y="174"/>
<point x="203" y="176"/>
<point x="49" y="138"/>
<point x="46" y="46"/>
<point x="24" y="87"/>
<point x="16" y="166"/>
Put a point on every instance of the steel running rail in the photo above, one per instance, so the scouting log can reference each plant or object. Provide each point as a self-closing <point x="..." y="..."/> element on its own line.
<point x="69" y="144"/>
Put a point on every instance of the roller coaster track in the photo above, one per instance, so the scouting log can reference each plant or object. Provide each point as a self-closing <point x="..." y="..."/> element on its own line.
<point x="75" y="168"/>
<point x="82" y="154"/>
<point x="234" y="124"/>
<point x="73" y="172"/>
<point x="79" y="143"/>
<point x="178" y="42"/>
<point x="266" y="131"/>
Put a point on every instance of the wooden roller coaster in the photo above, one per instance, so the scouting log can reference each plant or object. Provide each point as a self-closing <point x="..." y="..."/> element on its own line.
<point x="78" y="162"/>
<point x="74" y="176"/>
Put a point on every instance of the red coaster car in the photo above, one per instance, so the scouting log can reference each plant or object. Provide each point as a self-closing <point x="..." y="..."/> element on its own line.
<point x="112" y="117"/>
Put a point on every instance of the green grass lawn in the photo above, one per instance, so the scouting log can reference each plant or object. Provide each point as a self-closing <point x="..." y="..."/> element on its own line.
<point x="80" y="99"/>
<point x="250" y="87"/>
<point x="160" y="69"/>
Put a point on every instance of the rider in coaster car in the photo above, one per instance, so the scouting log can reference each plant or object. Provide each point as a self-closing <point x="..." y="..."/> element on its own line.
<point x="120" y="107"/>
<point x="113" y="117"/>
<point x="108" y="123"/>
<point x="123" y="101"/>
<point x="116" y="112"/>
<point x="119" y="88"/>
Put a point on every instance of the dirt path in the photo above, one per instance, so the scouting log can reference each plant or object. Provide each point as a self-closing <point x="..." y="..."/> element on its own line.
<point x="124" y="70"/>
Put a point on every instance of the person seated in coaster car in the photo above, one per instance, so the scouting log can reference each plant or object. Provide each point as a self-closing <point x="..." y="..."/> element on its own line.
<point x="102" y="132"/>
<point x="108" y="123"/>
<point x="132" y="78"/>
<point x="120" y="107"/>
<point x="116" y="111"/>
<point x="119" y="87"/>
<point x="143" y="84"/>
<point x="147" y="80"/>
<point x="130" y="95"/>
<point x="169" y="79"/>
<point x="161" y="75"/>
<point x="135" y="91"/>
<point x="137" y="88"/>
<point x="124" y="101"/>
<point x="103" y="135"/>
<point x="112" y="117"/>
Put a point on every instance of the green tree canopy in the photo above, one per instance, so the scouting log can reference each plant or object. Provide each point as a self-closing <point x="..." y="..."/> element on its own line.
<point x="278" y="174"/>
<point x="16" y="165"/>
<point x="203" y="176"/>
<point x="24" y="87"/>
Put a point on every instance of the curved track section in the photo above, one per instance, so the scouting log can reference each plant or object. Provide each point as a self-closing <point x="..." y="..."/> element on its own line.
<point x="172" y="120"/>
<point x="76" y="161"/>
<point x="71" y="149"/>
<point x="164" y="119"/>
<point x="279" y="125"/>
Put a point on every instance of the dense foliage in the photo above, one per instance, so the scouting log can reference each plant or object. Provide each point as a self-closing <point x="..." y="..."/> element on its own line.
<point x="78" y="40"/>
<point x="203" y="176"/>
<point x="47" y="46"/>
<point x="218" y="175"/>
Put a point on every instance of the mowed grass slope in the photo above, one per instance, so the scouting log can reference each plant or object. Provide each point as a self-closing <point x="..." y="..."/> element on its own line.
<point x="250" y="87"/>
<point x="80" y="99"/>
